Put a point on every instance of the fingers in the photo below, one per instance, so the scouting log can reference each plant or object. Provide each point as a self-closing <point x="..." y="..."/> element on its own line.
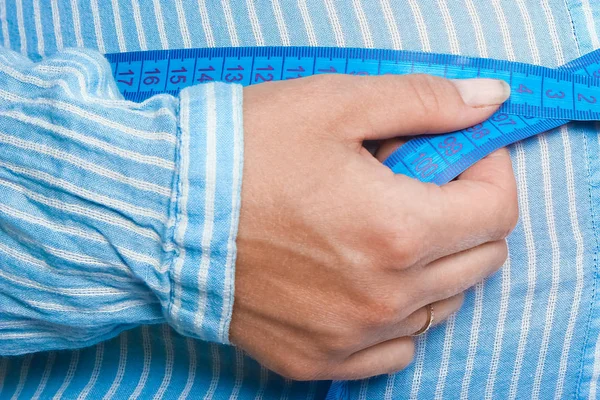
<point x="383" y="358"/>
<point x="380" y="107"/>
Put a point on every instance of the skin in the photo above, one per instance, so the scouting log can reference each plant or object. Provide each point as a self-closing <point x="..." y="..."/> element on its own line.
<point x="337" y="256"/>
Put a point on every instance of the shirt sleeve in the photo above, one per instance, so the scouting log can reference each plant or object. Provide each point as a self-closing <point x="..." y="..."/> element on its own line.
<point x="113" y="213"/>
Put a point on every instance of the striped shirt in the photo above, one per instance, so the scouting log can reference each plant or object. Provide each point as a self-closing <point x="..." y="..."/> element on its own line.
<point x="118" y="220"/>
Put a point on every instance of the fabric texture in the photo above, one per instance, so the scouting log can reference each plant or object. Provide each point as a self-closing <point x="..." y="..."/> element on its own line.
<point x="530" y="331"/>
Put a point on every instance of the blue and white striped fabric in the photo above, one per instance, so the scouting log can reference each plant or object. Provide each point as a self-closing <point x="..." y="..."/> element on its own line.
<point x="530" y="331"/>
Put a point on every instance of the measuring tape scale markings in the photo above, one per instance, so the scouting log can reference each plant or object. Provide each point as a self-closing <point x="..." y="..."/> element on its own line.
<point x="541" y="98"/>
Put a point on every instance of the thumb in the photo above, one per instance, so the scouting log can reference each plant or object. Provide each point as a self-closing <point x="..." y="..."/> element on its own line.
<point x="381" y="107"/>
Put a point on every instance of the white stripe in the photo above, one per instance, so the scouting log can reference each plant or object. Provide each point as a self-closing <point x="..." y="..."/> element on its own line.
<point x="160" y="23"/>
<point x="264" y="378"/>
<point x="90" y="141"/>
<point x="105" y="309"/>
<point x="233" y="36"/>
<point x="86" y="194"/>
<point x="215" y="362"/>
<point x="183" y="27"/>
<point x="392" y="26"/>
<point x="191" y="353"/>
<point x="239" y="374"/>
<point x="479" y="35"/>
<point x="362" y="391"/>
<point x="446" y="351"/>
<point x="595" y="371"/>
<point x="85" y="165"/>
<point x="147" y="347"/>
<point x="5" y="33"/>
<point x="281" y="26"/>
<point x="450" y="28"/>
<point x="235" y="207"/>
<point x="169" y="358"/>
<point x="418" y="15"/>
<point x="208" y="33"/>
<point x="531" y="40"/>
<point x="499" y="336"/>
<point x="76" y="209"/>
<point x="22" y="376"/>
<point x="363" y="24"/>
<point x="389" y="387"/>
<point x="555" y="280"/>
<point x="97" y="26"/>
<point x="508" y="47"/>
<point x="39" y="32"/>
<point x="287" y="386"/>
<point x="256" y="30"/>
<point x="120" y="369"/>
<point x="590" y="23"/>
<point x="210" y="183"/>
<point x="69" y="377"/>
<point x="139" y="27"/>
<point x="76" y="22"/>
<point x="523" y="194"/>
<point x="473" y="340"/>
<point x="418" y="368"/>
<point x="181" y="229"/>
<point x="335" y="23"/>
<point x="56" y="25"/>
<point x="118" y="26"/>
<point x="558" y="51"/>
<point x="21" y="26"/>
<point x="579" y="263"/>
<point x="308" y="24"/>
<point x="95" y="373"/>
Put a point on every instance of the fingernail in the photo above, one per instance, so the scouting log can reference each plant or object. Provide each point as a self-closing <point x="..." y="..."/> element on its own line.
<point x="482" y="92"/>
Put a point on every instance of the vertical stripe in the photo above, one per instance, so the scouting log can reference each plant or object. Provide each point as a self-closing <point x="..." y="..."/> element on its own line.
<point x="390" y="21"/>
<point x="446" y="351"/>
<point x="216" y="371"/>
<point x="389" y="387"/>
<point x="508" y="47"/>
<point x="239" y="374"/>
<point x="590" y="22"/>
<point x="450" y="28"/>
<point x="363" y="24"/>
<point x="531" y="41"/>
<point x="139" y="27"/>
<point x="147" y="347"/>
<point x="118" y="26"/>
<point x="579" y="263"/>
<point x="418" y="368"/>
<point x="228" y="295"/>
<point x="76" y="22"/>
<point x="281" y="26"/>
<point x="4" y="21"/>
<point x="21" y="26"/>
<point x="287" y="386"/>
<point x="335" y="23"/>
<point x="169" y="361"/>
<point x="47" y="370"/>
<point x="418" y="16"/>
<point x="312" y="390"/>
<point x="69" y="377"/>
<point x="210" y="183"/>
<point x="183" y="26"/>
<point x="479" y="35"/>
<point x="97" y="26"/>
<point x="233" y="36"/>
<point x="473" y="340"/>
<point x="120" y="368"/>
<point x="22" y="376"/>
<point x="56" y="25"/>
<point x="264" y="378"/>
<point x="560" y="58"/>
<point x="160" y="23"/>
<point x="308" y="25"/>
<point x="95" y="373"/>
<point x="191" y="352"/>
<point x="256" y="30"/>
<point x="208" y="33"/>
<point x="499" y="336"/>
<point x="362" y="391"/>
<point x="39" y="32"/>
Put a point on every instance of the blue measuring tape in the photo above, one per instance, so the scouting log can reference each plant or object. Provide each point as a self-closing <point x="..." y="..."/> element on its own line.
<point x="541" y="99"/>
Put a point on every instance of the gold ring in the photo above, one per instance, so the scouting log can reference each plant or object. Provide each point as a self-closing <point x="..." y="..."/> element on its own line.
<point x="429" y="322"/>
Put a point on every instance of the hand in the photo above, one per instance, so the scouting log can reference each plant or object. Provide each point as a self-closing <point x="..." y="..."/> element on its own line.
<point x="337" y="256"/>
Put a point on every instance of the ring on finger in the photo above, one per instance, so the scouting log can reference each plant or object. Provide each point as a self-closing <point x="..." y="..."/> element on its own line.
<point x="428" y="324"/>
